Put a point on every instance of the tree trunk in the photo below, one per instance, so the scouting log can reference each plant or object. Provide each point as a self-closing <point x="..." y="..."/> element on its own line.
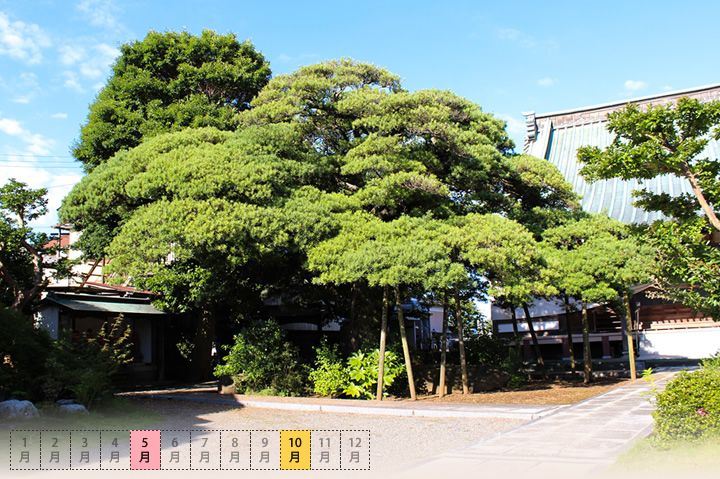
<point x="568" y="322"/>
<point x="516" y="332"/>
<point x="536" y="346"/>
<point x="406" y="348"/>
<point x="383" y="338"/>
<point x="687" y="172"/>
<point x="461" y="342"/>
<point x="631" y="345"/>
<point x="587" y="357"/>
<point x="443" y="347"/>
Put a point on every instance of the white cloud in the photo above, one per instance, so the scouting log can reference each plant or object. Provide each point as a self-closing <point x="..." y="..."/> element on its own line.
<point x="522" y="39"/>
<point x="27" y="87"/>
<point x="71" y="81"/>
<point x="10" y="127"/>
<point x="60" y="116"/>
<point x="100" y="13"/>
<point x="632" y="85"/>
<point x="36" y="144"/>
<point x="21" y="40"/>
<point x="70" y="55"/>
<point x="516" y="128"/>
<point x="98" y="64"/>
<point x="547" y="81"/>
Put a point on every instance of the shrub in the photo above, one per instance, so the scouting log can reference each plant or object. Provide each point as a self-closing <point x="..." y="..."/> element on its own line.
<point x="358" y="378"/>
<point x="488" y="350"/>
<point x="83" y="367"/>
<point x="363" y="371"/>
<point x="330" y="377"/>
<point x="689" y="407"/>
<point x="263" y="362"/>
<point x="23" y="351"/>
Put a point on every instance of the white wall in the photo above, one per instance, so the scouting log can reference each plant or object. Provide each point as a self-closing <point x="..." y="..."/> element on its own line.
<point x="679" y="343"/>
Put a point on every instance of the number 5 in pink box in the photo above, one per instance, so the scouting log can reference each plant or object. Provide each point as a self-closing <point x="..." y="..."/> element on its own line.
<point x="144" y="449"/>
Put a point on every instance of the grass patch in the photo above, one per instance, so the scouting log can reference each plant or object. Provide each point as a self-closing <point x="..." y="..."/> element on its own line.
<point x="685" y="458"/>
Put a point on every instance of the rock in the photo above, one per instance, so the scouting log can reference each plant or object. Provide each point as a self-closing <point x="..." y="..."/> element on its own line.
<point x="63" y="402"/>
<point x="73" y="409"/>
<point x="226" y="385"/>
<point x="14" y="409"/>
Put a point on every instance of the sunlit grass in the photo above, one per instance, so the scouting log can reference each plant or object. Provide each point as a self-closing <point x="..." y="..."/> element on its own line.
<point x="682" y="457"/>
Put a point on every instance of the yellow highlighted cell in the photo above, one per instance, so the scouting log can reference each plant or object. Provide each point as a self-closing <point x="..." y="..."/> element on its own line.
<point x="294" y="450"/>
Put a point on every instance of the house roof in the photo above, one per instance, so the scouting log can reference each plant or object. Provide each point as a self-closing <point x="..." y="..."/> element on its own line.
<point x="62" y="241"/>
<point x="103" y="303"/>
<point x="557" y="136"/>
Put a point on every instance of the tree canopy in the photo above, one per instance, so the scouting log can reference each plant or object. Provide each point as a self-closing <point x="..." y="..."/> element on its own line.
<point x="167" y="82"/>
<point x="21" y="261"/>
<point x="335" y="155"/>
<point x="671" y="139"/>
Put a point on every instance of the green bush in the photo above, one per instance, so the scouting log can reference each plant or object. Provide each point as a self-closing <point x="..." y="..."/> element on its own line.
<point x="263" y="362"/>
<point x="23" y="352"/>
<point x="83" y="367"/>
<point x="330" y="377"/>
<point x="363" y="371"/>
<point x="487" y="350"/>
<point x="358" y="378"/>
<point x="689" y="407"/>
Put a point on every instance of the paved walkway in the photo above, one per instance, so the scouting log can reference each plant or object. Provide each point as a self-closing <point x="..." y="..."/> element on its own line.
<point x="581" y="440"/>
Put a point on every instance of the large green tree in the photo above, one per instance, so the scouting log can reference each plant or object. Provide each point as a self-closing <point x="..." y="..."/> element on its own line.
<point x="671" y="139"/>
<point x="167" y="82"/>
<point x="217" y="220"/>
<point x="594" y="259"/>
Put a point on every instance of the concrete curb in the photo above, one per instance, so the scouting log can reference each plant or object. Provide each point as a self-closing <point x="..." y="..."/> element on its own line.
<point x="487" y="412"/>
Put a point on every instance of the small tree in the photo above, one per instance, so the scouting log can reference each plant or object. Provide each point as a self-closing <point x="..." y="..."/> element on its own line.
<point x="21" y="260"/>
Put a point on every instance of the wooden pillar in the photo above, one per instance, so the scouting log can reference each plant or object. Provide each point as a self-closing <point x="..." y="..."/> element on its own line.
<point x="606" y="347"/>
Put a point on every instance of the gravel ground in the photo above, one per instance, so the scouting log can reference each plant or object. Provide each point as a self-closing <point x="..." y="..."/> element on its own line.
<point x="396" y="442"/>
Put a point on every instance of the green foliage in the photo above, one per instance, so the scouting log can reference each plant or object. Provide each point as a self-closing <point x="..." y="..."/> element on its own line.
<point x="357" y="377"/>
<point x="23" y="351"/>
<point x="689" y="407"/>
<point x="670" y="139"/>
<point x="487" y="350"/>
<point x="329" y="377"/>
<point x="262" y="360"/>
<point x="363" y="371"/>
<point x="167" y="82"/>
<point x="685" y="258"/>
<point x="83" y="366"/>
<point x="21" y="262"/>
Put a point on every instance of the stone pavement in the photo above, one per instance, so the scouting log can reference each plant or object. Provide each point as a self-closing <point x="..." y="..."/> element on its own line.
<point x="581" y="440"/>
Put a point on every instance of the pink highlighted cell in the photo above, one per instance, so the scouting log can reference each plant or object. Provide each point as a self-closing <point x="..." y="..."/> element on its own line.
<point x="144" y="450"/>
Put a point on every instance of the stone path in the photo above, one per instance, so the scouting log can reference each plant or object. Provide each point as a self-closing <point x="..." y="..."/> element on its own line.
<point x="581" y="440"/>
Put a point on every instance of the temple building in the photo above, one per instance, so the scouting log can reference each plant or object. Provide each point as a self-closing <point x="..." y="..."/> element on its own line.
<point x="661" y="329"/>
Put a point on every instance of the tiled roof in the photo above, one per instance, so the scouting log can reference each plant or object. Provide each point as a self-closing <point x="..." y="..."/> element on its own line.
<point x="557" y="136"/>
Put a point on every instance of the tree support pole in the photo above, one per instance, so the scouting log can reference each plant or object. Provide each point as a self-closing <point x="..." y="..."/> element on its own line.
<point x="383" y="340"/>
<point x="461" y="342"/>
<point x="406" y="348"/>
<point x="631" y="346"/>
<point x="443" y="347"/>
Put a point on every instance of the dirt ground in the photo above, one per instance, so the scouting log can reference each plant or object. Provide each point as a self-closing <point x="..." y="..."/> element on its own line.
<point x="558" y="391"/>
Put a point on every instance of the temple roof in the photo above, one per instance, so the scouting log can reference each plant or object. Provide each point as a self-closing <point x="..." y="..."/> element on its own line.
<point x="557" y="136"/>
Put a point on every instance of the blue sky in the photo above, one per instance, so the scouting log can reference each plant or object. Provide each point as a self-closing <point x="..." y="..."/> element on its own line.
<point x="508" y="57"/>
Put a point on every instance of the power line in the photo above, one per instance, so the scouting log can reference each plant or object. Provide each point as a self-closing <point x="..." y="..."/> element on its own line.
<point x="37" y="156"/>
